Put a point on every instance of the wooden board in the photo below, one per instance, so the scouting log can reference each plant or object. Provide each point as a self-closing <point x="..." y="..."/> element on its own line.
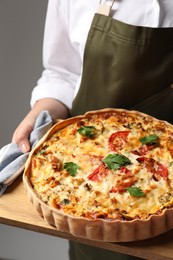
<point x="16" y="210"/>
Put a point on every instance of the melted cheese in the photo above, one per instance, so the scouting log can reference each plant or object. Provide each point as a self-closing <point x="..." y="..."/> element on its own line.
<point x="107" y="195"/>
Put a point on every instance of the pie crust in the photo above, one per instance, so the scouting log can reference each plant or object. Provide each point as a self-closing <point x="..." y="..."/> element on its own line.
<point x="97" y="229"/>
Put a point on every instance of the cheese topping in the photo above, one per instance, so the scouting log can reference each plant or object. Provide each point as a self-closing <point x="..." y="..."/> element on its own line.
<point x="110" y="165"/>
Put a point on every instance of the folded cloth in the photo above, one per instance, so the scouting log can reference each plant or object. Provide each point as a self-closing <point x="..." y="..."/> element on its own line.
<point x="12" y="159"/>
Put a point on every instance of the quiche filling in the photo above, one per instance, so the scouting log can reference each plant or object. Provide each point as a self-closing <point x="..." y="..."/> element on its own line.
<point x="107" y="166"/>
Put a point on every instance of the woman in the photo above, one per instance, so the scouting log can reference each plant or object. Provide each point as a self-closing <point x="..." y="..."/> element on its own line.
<point x="119" y="57"/>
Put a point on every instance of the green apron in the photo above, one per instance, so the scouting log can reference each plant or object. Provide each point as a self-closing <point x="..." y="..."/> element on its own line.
<point x="127" y="67"/>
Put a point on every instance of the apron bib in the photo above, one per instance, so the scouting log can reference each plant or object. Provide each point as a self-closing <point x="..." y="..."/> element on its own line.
<point x="125" y="65"/>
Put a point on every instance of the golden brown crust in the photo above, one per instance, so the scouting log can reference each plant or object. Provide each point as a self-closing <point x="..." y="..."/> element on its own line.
<point x="117" y="230"/>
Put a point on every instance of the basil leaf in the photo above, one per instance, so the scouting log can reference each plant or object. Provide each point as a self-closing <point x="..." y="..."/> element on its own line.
<point x="150" y="140"/>
<point x="88" y="131"/>
<point x="66" y="201"/>
<point x="135" y="191"/>
<point x="71" y="168"/>
<point x="115" y="161"/>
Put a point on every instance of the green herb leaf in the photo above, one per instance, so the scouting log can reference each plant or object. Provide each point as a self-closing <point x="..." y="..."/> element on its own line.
<point x="88" y="131"/>
<point x="66" y="201"/>
<point x="115" y="161"/>
<point x="71" y="168"/>
<point x="135" y="191"/>
<point x="150" y="140"/>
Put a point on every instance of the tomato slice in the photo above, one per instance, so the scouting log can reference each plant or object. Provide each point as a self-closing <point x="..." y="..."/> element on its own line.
<point x="158" y="169"/>
<point x="143" y="150"/>
<point x="117" y="140"/>
<point x="161" y="171"/>
<point x="100" y="171"/>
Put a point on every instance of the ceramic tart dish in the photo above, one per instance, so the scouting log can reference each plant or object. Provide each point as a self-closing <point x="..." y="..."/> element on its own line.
<point x="105" y="176"/>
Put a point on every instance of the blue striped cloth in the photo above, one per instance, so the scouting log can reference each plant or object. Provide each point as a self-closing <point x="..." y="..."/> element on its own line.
<point x="12" y="159"/>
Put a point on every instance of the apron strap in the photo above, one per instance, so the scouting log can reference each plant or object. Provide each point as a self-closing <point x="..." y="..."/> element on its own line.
<point x="105" y="9"/>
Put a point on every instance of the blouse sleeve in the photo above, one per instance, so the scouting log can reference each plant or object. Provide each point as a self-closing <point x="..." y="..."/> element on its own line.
<point x="61" y="57"/>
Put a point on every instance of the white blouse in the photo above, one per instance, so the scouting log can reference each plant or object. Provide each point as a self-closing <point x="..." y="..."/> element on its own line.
<point x="66" y="29"/>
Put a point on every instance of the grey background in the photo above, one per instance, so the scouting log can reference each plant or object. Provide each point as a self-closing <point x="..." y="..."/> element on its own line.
<point x="21" y="35"/>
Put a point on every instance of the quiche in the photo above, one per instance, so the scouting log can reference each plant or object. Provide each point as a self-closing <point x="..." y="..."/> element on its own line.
<point x="106" y="175"/>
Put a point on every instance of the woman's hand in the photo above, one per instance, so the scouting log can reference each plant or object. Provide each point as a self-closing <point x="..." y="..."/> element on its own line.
<point x="54" y="107"/>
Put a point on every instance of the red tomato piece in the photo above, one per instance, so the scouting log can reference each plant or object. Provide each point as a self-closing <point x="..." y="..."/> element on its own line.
<point x="161" y="171"/>
<point x="156" y="168"/>
<point x="143" y="150"/>
<point x="100" y="171"/>
<point x="117" y="140"/>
